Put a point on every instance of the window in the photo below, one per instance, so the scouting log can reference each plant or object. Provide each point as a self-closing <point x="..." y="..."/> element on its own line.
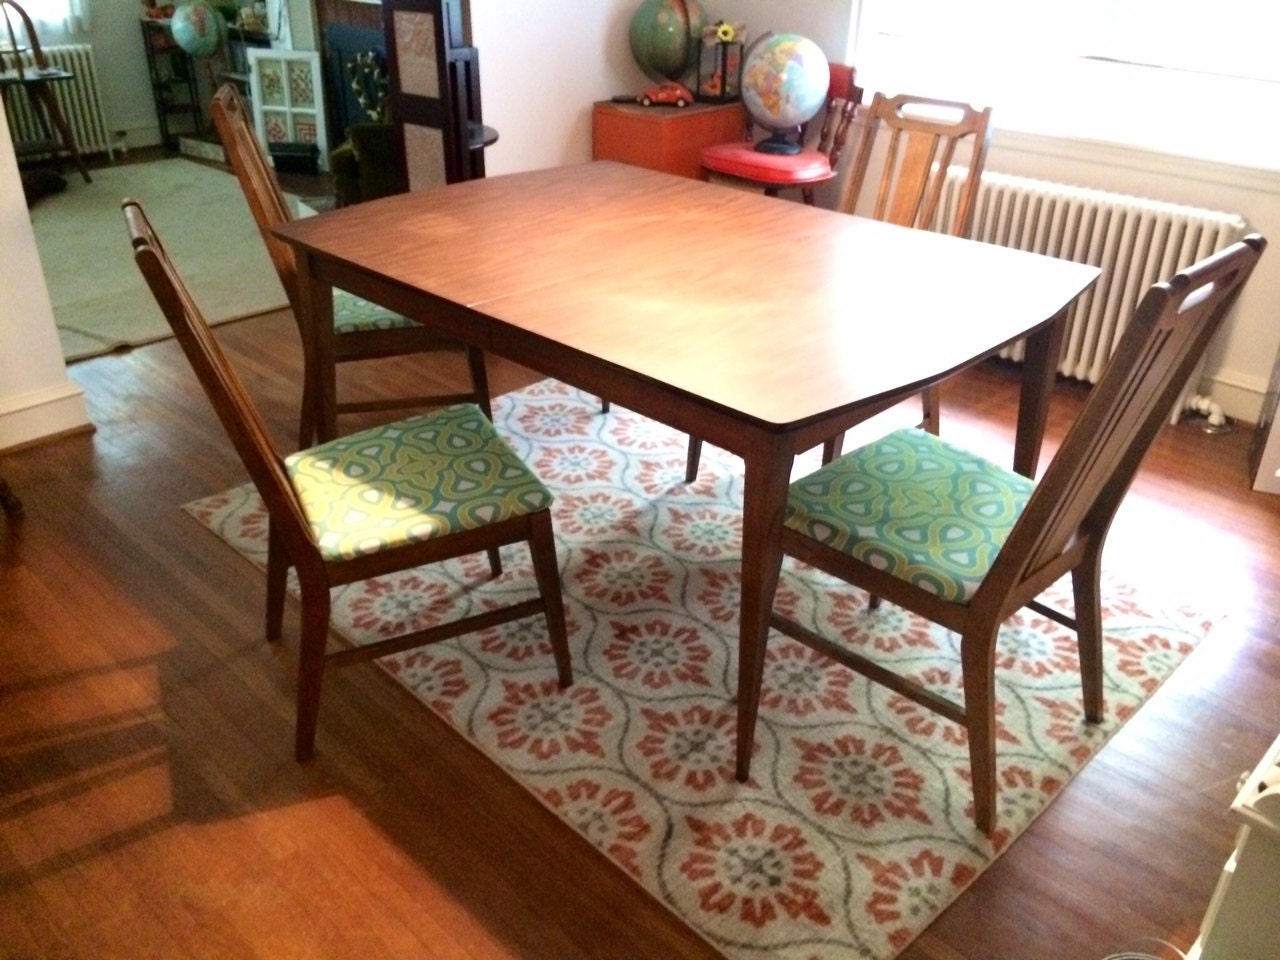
<point x="1181" y="76"/>
<point x="70" y="15"/>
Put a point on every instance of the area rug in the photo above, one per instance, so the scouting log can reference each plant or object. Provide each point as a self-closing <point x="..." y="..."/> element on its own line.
<point x="855" y="829"/>
<point x="100" y="301"/>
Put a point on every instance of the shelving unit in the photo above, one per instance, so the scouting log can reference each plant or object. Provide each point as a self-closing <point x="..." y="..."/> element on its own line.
<point x="175" y="84"/>
<point x="239" y="42"/>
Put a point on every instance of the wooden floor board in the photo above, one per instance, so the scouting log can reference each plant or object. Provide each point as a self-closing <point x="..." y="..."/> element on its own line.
<point x="150" y="806"/>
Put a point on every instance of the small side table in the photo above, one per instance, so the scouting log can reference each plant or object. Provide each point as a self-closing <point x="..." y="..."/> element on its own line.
<point x="669" y="139"/>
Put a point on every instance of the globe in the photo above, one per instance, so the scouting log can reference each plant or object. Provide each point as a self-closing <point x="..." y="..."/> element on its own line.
<point x="198" y="29"/>
<point x="665" y="35"/>
<point x="784" y="83"/>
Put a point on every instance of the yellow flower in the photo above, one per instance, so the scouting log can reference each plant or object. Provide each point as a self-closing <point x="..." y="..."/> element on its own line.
<point x="725" y="32"/>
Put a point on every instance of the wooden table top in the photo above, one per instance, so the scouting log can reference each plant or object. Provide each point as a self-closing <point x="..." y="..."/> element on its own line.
<point x="774" y="310"/>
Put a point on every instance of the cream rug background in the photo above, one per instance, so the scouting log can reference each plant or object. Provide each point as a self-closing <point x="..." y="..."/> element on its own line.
<point x="856" y="828"/>
<point x="100" y="301"/>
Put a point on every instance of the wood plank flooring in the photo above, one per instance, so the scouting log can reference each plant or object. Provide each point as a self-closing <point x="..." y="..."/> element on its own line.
<point x="150" y="806"/>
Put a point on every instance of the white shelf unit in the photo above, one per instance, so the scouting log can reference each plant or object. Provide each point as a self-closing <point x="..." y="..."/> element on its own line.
<point x="288" y="99"/>
<point x="1243" y="919"/>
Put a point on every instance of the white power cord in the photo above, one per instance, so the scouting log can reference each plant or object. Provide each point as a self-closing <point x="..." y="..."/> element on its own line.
<point x="1131" y="955"/>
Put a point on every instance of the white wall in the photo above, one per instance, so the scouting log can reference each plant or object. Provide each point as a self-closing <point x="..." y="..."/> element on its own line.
<point x="116" y="36"/>
<point x="36" y="398"/>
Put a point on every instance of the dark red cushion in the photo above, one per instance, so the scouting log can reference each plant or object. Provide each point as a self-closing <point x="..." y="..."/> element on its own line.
<point x="744" y="160"/>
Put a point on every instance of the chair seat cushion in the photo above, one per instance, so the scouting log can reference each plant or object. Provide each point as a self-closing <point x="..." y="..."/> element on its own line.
<point x="351" y="314"/>
<point x="745" y="161"/>
<point x="915" y="506"/>
<point x="415" y="479"/>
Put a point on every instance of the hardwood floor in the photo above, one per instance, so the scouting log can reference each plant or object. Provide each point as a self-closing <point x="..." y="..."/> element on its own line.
<point x="150" y="805"/>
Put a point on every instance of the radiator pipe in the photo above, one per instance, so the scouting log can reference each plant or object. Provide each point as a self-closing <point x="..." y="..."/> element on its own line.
<point x="1207" y="408"/>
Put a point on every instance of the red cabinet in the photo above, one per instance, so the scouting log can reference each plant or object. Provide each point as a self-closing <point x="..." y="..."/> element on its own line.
<point x="669" y="139"/>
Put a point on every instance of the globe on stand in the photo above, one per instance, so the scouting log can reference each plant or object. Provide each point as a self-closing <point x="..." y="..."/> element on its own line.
<point x="784" y="83"/>
<point x="198" y="29"/>
<point x="665" y="35"/>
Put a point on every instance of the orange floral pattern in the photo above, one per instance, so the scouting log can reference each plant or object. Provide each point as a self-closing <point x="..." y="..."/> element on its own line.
<point x="855" y="828"/>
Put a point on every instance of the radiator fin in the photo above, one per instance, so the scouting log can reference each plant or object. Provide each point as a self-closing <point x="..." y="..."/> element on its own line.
<point x="79" y="98"/>
<point x="1134" y="241"/>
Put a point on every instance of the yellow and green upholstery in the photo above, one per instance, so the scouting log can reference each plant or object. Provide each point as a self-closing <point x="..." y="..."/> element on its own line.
<point x="416" y="479"/>
<point x="352" y="314"/>
<point x="915" y="506"/>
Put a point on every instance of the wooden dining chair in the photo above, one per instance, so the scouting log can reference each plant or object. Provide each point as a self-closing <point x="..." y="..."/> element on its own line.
<point x="923" y="134"/>
<point x="362" y="330"/>
<point x="813" y="165"/>
<point x="432" y="487"/>
<point x="965" y="543"/>
<point x="36" y="80"/>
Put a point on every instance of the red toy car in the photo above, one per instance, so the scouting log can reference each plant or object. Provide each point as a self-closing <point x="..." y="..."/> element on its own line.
<point x="666" y="92"/>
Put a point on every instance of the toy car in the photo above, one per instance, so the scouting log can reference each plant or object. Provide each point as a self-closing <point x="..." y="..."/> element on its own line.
<point x="668" y="92"/>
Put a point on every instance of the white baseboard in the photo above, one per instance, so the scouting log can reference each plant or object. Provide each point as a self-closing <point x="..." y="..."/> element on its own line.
<point x="1239" y="401"/>
<point x="41" y="414"/>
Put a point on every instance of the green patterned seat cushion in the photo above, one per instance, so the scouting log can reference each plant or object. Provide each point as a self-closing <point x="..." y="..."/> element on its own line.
<point x="351" y="314"/>
<point x="915" y="506"/>
<point x="418" y="478"/>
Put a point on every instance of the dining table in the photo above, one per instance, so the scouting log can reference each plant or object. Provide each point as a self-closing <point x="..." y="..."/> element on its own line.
<point x="757" y="324"/>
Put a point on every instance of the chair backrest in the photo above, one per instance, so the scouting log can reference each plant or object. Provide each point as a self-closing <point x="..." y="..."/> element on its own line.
<point x="844" y="96"/>
<point x="923" y="135"/>
<point x="24" y="34"/>
<point x="223" y="387"/>
<point x="1076" y="500"/>
<point x="257" y="181"/>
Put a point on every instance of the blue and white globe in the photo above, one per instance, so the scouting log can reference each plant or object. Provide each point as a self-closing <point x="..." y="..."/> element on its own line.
<point x="198" y="29"/>
<point x="784" y="83"/>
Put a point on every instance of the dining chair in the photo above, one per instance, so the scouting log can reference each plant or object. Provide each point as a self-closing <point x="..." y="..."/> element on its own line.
<point x="361" y="330"/>
<point x="912" y="171"/>
<point x="965" y="543"/>
<point x="815" y="164"/>
<point x="428" y="488"/>
<point x="36" y="80"/>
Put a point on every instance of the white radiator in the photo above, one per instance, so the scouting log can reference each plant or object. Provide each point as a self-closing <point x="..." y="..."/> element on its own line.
<point x="1136" y="242"/>
<point x="79" y="98"/>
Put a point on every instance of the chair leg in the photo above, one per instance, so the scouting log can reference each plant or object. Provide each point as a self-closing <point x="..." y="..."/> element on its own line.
<point x="807" y="194"/>
<point x="693" y="459"/>
<point x="311" y="651"/>
<point x="480" y="381"/>
<point x="308" y="427"/>
<point x="495" y="562"/>
<point x="976" y="654"/>
<point x="931" y="408"/>
<point x="831" y="448"/>
<point x="546" y="568"/>
<point x="50" y="113"/>
<point x="277" y="577"/>
<point x="604" y="405"/>
<point x="9" y="501"/>
<point x="1086" y="582"/>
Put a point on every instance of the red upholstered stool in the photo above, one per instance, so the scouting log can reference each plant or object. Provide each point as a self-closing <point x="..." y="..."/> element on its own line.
<point x="804" y="170"/>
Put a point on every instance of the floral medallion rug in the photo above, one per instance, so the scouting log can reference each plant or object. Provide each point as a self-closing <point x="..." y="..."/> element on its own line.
<point x="855" y="829"/>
